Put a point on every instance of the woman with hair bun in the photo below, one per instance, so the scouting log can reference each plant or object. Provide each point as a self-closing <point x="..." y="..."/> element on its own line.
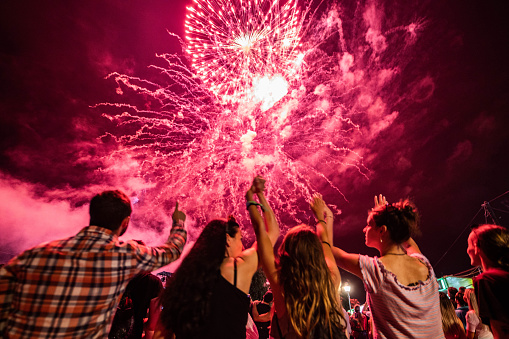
<point x="488" y="247"/>
<point x="402" y="290"/>
<point x="207" y="297"/>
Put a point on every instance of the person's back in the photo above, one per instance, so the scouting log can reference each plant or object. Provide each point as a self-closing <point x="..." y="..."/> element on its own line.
<point x="70" y="287"/>
<point x="461" y="309"/>
<point x="358" y="323"/>
<point x="451" y="325"/>
<point x="402" y="290"/>
<point x="304" y="280"/>
<point x="140" y="291"/>
<point x="263" y="309"/>
<point x="229" y="306"/>
<point x="416" y="302"/>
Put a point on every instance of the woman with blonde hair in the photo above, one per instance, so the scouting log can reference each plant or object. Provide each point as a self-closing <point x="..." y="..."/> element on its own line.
<point x="451" y="324"/>
<point x="304" y="280"/>
<point x="475" y="328"/>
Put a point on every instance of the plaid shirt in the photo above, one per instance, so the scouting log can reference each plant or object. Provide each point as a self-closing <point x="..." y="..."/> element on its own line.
<point x="70" y="288"/>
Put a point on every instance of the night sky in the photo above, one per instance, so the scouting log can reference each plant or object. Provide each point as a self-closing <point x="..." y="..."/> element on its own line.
<point x="447" y="149"/>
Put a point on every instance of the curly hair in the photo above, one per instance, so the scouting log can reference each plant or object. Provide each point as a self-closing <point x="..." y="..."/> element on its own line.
<point x="493" y="240"/>
<point x="185" y="299"/>
<point x="401" y="220"/>
<point x="310" y="297"/>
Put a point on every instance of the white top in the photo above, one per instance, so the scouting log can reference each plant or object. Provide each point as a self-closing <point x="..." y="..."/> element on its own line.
<point x="475" y="325"/>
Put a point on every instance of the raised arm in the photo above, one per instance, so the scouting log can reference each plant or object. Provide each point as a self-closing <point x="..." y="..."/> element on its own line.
<point x="264" y="242"/>
<point x="324" y="229"/>
<point x="347" y="261"/>
<point x="265" y="245"/>
<point x="270" y="219"/>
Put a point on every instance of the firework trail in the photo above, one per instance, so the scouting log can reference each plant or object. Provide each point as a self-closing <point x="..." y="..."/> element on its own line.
<point x="298" y="95"/>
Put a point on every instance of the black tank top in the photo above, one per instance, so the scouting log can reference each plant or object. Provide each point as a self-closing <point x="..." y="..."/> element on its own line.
<point x="228" y="309"/>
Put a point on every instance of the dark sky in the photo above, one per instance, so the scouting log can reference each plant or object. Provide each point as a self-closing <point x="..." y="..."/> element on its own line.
<point x="447" y="148"/>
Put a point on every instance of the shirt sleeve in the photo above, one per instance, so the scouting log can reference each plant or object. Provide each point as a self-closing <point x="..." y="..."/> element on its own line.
<point x="472" y="321"/>
<point x="371" y="273"/>
<point x="7" y="283"/>
<point x="151" y="258"/>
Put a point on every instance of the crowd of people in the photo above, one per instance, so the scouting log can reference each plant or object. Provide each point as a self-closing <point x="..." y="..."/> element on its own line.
<point x="94" y="285"/>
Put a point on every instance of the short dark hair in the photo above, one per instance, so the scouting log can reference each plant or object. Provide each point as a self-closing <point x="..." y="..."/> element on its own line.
<point x="109" y="208"/>
<point x="452" y="291"/>
<point x="459" y="299"/>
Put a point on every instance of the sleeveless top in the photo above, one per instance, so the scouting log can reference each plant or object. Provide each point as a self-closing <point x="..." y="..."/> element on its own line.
<point x="228" y="310"/>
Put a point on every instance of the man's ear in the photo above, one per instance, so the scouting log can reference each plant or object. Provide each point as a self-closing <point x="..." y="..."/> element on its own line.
<point x="123" y="226"/>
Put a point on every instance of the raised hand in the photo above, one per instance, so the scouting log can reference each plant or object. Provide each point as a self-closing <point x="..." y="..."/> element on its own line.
<point x="318" y="206"/>
<point x="258" y="184"/>
<point x="380" y="200"/>
<point x="178" y="215"/>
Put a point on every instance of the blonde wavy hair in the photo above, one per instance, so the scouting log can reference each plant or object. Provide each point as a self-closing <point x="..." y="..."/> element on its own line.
<point x="310" y="296"/>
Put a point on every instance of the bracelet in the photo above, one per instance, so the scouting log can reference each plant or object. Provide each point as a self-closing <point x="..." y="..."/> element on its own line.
<point x="325" y="242"/>
<point x="249" y="203"/>
<point x="322" y="221"/>
<point x="330" y="216"/>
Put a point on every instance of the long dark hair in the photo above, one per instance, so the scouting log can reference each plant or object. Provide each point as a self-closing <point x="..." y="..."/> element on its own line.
<point x="310" y="297"/>
<point x="185" y="300"/>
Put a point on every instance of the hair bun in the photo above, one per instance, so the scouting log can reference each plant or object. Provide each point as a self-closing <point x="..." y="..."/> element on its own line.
<point x="232" y="221"/>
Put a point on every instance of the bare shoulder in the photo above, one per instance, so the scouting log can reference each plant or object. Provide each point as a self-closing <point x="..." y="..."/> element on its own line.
<point x="407" y="269"/>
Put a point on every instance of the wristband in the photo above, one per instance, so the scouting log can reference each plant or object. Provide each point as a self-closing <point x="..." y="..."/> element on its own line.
<point x="325" y="242"/>
<point x="249" y="203"/>
<point x="322" y="221"/>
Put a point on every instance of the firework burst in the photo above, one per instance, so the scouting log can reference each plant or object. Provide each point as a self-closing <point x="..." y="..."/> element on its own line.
<point x="237" y="47"/>
<point x="262" y="97"/>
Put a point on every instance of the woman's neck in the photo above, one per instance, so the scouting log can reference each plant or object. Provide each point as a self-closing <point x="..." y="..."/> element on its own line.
<point x="391" y="249"/>
<point x="486" y="263"/>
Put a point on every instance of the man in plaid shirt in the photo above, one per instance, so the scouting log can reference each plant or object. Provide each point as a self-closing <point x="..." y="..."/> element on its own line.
<point x="70" y="288"/>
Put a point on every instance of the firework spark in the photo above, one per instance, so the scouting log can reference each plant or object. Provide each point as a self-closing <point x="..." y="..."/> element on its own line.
<point x="236" y="46"/>
<point x="262" y="97"/>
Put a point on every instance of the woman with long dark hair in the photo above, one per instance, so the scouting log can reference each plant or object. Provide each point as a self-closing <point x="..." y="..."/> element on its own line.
<point x="208" y="295"/>
<point x="304" y="280"/>
<point x="401" y="287"/>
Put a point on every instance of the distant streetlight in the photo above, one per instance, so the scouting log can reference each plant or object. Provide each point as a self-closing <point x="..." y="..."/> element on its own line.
<point x="346" y="288"/>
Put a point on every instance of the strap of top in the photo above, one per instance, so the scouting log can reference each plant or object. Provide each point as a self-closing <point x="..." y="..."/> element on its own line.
<point x="235" y="272"/>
